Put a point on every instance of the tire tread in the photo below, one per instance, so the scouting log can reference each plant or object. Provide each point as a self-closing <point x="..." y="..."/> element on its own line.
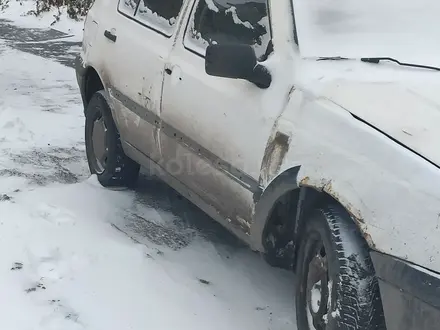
<point x="360" y="304"/>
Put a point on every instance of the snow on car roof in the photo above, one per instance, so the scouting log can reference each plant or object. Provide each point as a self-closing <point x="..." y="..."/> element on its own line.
<point x="408" y="30"/>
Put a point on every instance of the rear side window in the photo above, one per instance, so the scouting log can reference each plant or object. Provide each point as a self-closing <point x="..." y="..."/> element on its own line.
<point x="128" y="7"/>
<point x="229" y="21"/>
<point x="159" y="13"/>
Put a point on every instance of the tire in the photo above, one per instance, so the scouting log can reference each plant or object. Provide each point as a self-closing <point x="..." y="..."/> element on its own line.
<point x="334" y="266"/>
<point x="109" y="162"/>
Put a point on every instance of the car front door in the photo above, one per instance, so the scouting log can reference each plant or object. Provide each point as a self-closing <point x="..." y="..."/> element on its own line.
<point x="140" y="37"/>
<point x="215" y="130"/>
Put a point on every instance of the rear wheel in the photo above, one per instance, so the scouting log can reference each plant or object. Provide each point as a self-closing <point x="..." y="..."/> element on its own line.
<point x="336" y="284"/>
<point x="105" y="155"/>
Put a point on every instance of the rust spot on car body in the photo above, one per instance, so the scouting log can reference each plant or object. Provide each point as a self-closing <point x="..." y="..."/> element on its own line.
<point x="355" y="214"/>
<point x="274" y="154"/>
<point x="327" y="187"/>
<point x="304" y="182"/>
<point x="368" y="238"/>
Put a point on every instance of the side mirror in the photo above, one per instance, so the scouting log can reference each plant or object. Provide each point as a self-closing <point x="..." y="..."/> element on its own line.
<point x="237" y="62"/>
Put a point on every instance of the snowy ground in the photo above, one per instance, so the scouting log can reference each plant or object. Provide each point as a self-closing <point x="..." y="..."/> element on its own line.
<point x="18" y="11"/>
<point x="43" y="36"/>
<point x="76" y="256"/>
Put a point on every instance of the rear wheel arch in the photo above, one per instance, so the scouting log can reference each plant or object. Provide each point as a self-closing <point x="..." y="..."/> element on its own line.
<point x="92" y="84"/>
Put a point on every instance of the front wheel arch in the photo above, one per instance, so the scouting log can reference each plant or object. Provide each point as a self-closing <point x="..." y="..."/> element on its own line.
<point x="302" y="199"/>
<point x="264" y="207"/>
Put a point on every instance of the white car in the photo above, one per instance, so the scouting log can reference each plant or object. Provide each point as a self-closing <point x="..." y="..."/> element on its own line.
<point x="308" y="128"/>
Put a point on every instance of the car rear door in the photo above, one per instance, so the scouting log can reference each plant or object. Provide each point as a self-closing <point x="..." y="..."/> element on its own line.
<point x="216" y="129"/>
<point x="139" y="38"/>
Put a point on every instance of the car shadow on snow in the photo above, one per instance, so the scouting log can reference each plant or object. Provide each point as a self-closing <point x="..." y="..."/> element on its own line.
<point x="190" y="240"/>
<point x="11" y="32"/>
<point x="46" y="43"/>
<point x="158" y="215"/>
<point x="172" y="221"/>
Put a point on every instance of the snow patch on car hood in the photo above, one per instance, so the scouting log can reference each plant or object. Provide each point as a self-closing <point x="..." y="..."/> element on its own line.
<point x="408" y="114"/>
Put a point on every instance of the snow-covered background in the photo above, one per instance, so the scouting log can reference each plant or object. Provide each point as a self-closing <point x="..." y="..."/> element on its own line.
<point x="74" y="255"/>
<point x="20" y="11"/>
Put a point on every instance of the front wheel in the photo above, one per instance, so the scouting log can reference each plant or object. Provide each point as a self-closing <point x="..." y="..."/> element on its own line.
<point x="105" y="155"/>
<point x="336" y="284"/>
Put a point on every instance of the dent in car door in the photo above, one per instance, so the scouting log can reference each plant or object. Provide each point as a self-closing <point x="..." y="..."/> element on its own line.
<point x="135" y="67"/>
<point x="217" y="129"/>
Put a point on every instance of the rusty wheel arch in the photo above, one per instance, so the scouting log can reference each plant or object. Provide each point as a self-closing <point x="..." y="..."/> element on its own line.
<point x="302" y="199"/>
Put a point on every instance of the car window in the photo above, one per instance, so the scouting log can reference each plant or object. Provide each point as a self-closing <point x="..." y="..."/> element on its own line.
<point x="229" y="21"/>
<point x="128" y="7"/>
<point x="159" y="13"/>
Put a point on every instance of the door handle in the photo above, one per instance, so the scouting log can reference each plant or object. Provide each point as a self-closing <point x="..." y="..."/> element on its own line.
<point x="109" y="35"/>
